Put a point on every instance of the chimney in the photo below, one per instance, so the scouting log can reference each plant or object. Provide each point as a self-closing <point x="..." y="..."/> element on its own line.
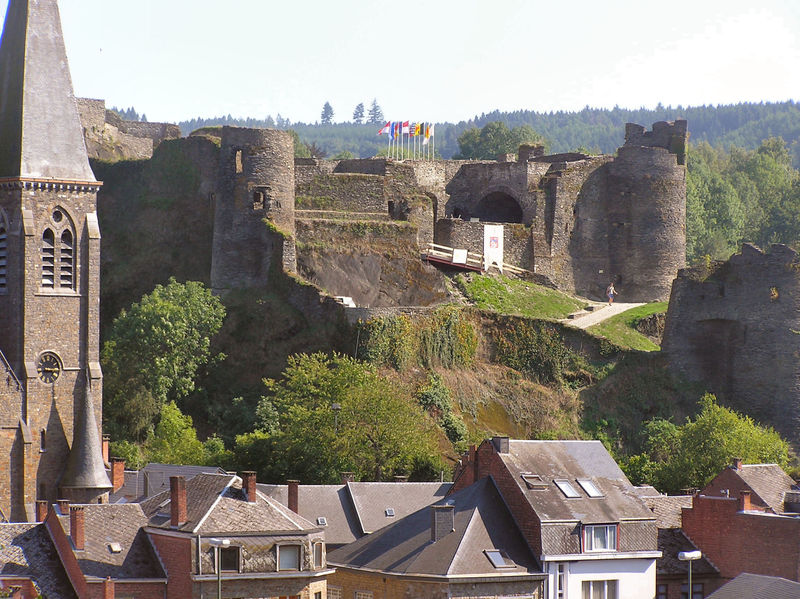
<point x="744" y="501"/>
<point x="117" y="474"/>
<point x="400" y="479"/>
<point x="41" y="510"/>
<point x="108" y="588"/>
<point x="63" y="506"/>
<point x="348" y="477"/>
<point x="737" y="463"/>
<point x="442" y="521"/>
<point x="106" y="444"/>
<point x="249" y="485"/>
<point x="177" y="499"/>
<point x="500" y="444"/>
<point x="294" y="486"/>
<point x="76" y="526"/>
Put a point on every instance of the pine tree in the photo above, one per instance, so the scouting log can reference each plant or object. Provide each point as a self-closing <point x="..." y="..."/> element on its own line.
<point x="358" y="113"/>
<point x="375" y="114"/>
<point x="327" y="114"/>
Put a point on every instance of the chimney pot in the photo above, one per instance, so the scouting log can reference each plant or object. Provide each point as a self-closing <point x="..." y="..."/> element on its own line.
<point x="177" y="490"/>
<point x="41" y="510"/>
<point x="400" y="479"/>
<point x="294" y="487"/>
<point x="106" y="444"/>
<point x="117" y="473"/>
<point x="744" y="501"/>
<point x="442" y="521"/>
<point x="737" y="463"/>
<point x="348" y="477"/>
<point x="76" y="526"/>
<point x="249" y="485"/>
<point x="108" y="588"/>
<point x="501" y="444"/>
<point x="63" y="506"/>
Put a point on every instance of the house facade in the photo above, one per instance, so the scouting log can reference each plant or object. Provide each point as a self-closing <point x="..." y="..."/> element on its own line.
<point x="578" y="513"/>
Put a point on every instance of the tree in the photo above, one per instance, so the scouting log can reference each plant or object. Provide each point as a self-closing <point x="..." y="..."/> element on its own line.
<point x="689" y="456"/>
<point x="154" y="351"/>
<point x="174" y="440"/>
<point x="330" y="414"/>
<point x="358" y="113"/>
<point x="375" y="113"/>
<point x="327" y="114"/>
<point x="495" y="138"/>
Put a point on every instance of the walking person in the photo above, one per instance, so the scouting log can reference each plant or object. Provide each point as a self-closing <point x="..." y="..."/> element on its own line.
<point x="611" y="293"/>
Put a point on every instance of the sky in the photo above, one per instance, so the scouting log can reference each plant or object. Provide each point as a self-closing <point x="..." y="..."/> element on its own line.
<point x="429" y="60"/>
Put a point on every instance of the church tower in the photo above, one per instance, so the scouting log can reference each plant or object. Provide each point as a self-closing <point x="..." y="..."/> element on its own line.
<point x="49" y="275"/>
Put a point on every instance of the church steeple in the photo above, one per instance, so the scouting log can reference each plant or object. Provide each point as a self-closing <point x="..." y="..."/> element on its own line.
<point x="42" y="136"/>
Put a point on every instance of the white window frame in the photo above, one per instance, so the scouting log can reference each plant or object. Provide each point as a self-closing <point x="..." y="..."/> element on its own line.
<point x="299" y="548"/>
<point x="566" y="488"/>
<point x="590" y="488"/>
<point x="612" y="538"/>
<point x="561" y="581"/>
<point x="318" y="546"/>
<point x="334" y="592"/>
<point x="363" y="595"/>
<point x="599" y="589"/>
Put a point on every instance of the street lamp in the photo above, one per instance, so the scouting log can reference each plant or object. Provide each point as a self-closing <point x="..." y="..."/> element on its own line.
<point x="218" y="544"/>
<point x="690" y="556"/>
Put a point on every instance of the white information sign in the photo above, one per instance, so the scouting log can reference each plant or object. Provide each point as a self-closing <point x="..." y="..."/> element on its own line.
<point x="459" y="256"/>
<point x="493" y="246"/>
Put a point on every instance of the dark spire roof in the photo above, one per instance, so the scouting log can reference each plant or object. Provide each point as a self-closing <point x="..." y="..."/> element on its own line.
<point x="85" y="468"/>
<point x="40" y="132"/>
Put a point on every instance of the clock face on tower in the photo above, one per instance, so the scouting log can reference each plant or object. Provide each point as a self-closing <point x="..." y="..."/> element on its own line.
<point x="48" y="367"/>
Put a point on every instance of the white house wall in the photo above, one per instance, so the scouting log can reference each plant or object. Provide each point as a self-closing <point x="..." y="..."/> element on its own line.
<point x="637" y="577"/>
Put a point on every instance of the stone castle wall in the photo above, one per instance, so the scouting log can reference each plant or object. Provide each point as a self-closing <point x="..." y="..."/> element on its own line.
<point x="734" y="328"/>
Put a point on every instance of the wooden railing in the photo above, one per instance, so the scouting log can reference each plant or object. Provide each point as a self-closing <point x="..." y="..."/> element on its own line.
<point x="462" y="258"/>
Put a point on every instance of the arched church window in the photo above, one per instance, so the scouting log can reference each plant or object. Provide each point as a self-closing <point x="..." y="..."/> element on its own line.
<point x="67" y="259"/>
<point x="48" y="259"/>
<point x="3" y="253"/>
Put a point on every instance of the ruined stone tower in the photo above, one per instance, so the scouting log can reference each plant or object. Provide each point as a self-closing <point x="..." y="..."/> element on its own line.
<point x="49" y="274"/>
<point x="254" y="215"/>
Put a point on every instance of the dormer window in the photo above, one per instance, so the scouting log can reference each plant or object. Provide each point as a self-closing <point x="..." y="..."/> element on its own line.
<point x="566" y="488"/>
<point x="602" y="537"/>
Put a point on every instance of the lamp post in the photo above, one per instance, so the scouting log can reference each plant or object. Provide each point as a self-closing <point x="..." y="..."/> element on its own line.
<point x="218" y="544"/>
<point x="690" y="556"/>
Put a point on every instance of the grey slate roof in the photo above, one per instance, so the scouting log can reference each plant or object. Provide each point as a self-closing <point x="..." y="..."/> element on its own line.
<point x="482" y="522"/>
<point x="671" y="541"/>
<point x="667" y="508"/>
<point x="115" y="523"/>
<point x="154" y="478"/>
<point x="42" y="135"/>
<point x="355" y="509"/>
<point x="768" y="481"/>
<point x="215" y="503"/>
<point x="573" y="460"/>
<point x="26" y="550"/>
<point x="754" y="586"/>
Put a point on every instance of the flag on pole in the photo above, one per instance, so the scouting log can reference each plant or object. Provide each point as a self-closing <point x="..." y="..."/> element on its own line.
<point x="405" y="126"/>
<point x="385" y="129"/>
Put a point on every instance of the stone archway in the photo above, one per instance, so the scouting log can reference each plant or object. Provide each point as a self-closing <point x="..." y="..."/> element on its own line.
<point x="499" y="207"/>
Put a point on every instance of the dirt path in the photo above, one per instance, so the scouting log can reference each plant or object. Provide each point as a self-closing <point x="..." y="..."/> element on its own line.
<point x="585" y="319"/>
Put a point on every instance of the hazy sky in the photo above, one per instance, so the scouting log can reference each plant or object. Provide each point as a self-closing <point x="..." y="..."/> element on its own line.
<point x="427" y="59"/>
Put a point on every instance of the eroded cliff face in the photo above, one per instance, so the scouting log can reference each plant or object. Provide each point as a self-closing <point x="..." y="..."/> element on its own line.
<point x="735" y="327"/>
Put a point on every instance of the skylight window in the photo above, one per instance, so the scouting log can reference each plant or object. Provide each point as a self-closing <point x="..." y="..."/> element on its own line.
<point x="534" y="481"/>
<point x="567" y="489"/>
<point x="115" y="548"/>
<point x="390" y="512"/>
<point x="322" y="521"/>
<point x="590" y="488"/>
<point x="499" y="558"/>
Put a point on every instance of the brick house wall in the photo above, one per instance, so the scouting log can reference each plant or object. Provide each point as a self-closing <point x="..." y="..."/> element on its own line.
<point x="175" y="554"/>
<point x="737" y="542"/>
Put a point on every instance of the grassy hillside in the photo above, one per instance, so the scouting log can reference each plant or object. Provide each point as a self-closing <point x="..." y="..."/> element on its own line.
<point x="621" y="329"/>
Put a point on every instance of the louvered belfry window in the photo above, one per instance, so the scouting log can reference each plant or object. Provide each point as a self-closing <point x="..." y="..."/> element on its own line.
<point x="48" y="259"/>
<point x="67" y="258"/>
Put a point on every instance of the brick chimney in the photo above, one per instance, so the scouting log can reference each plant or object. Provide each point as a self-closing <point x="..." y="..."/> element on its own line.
<point x="41" y="510"/>
<point x="442" y="521"/>
<point x="744" y="501"/>
<point x="117" y="473"/>
<point x="63" y="506"/>
<point x="106" y="444"/>
<point x="76" y="526"/>
<point x="108" y="588"/>
<point x="348" y="477"/>
<point x="249" y="485"/>
<point x="177" y="499"/>
<point x="737" y="463"/>
<point x="294" y="487"/>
